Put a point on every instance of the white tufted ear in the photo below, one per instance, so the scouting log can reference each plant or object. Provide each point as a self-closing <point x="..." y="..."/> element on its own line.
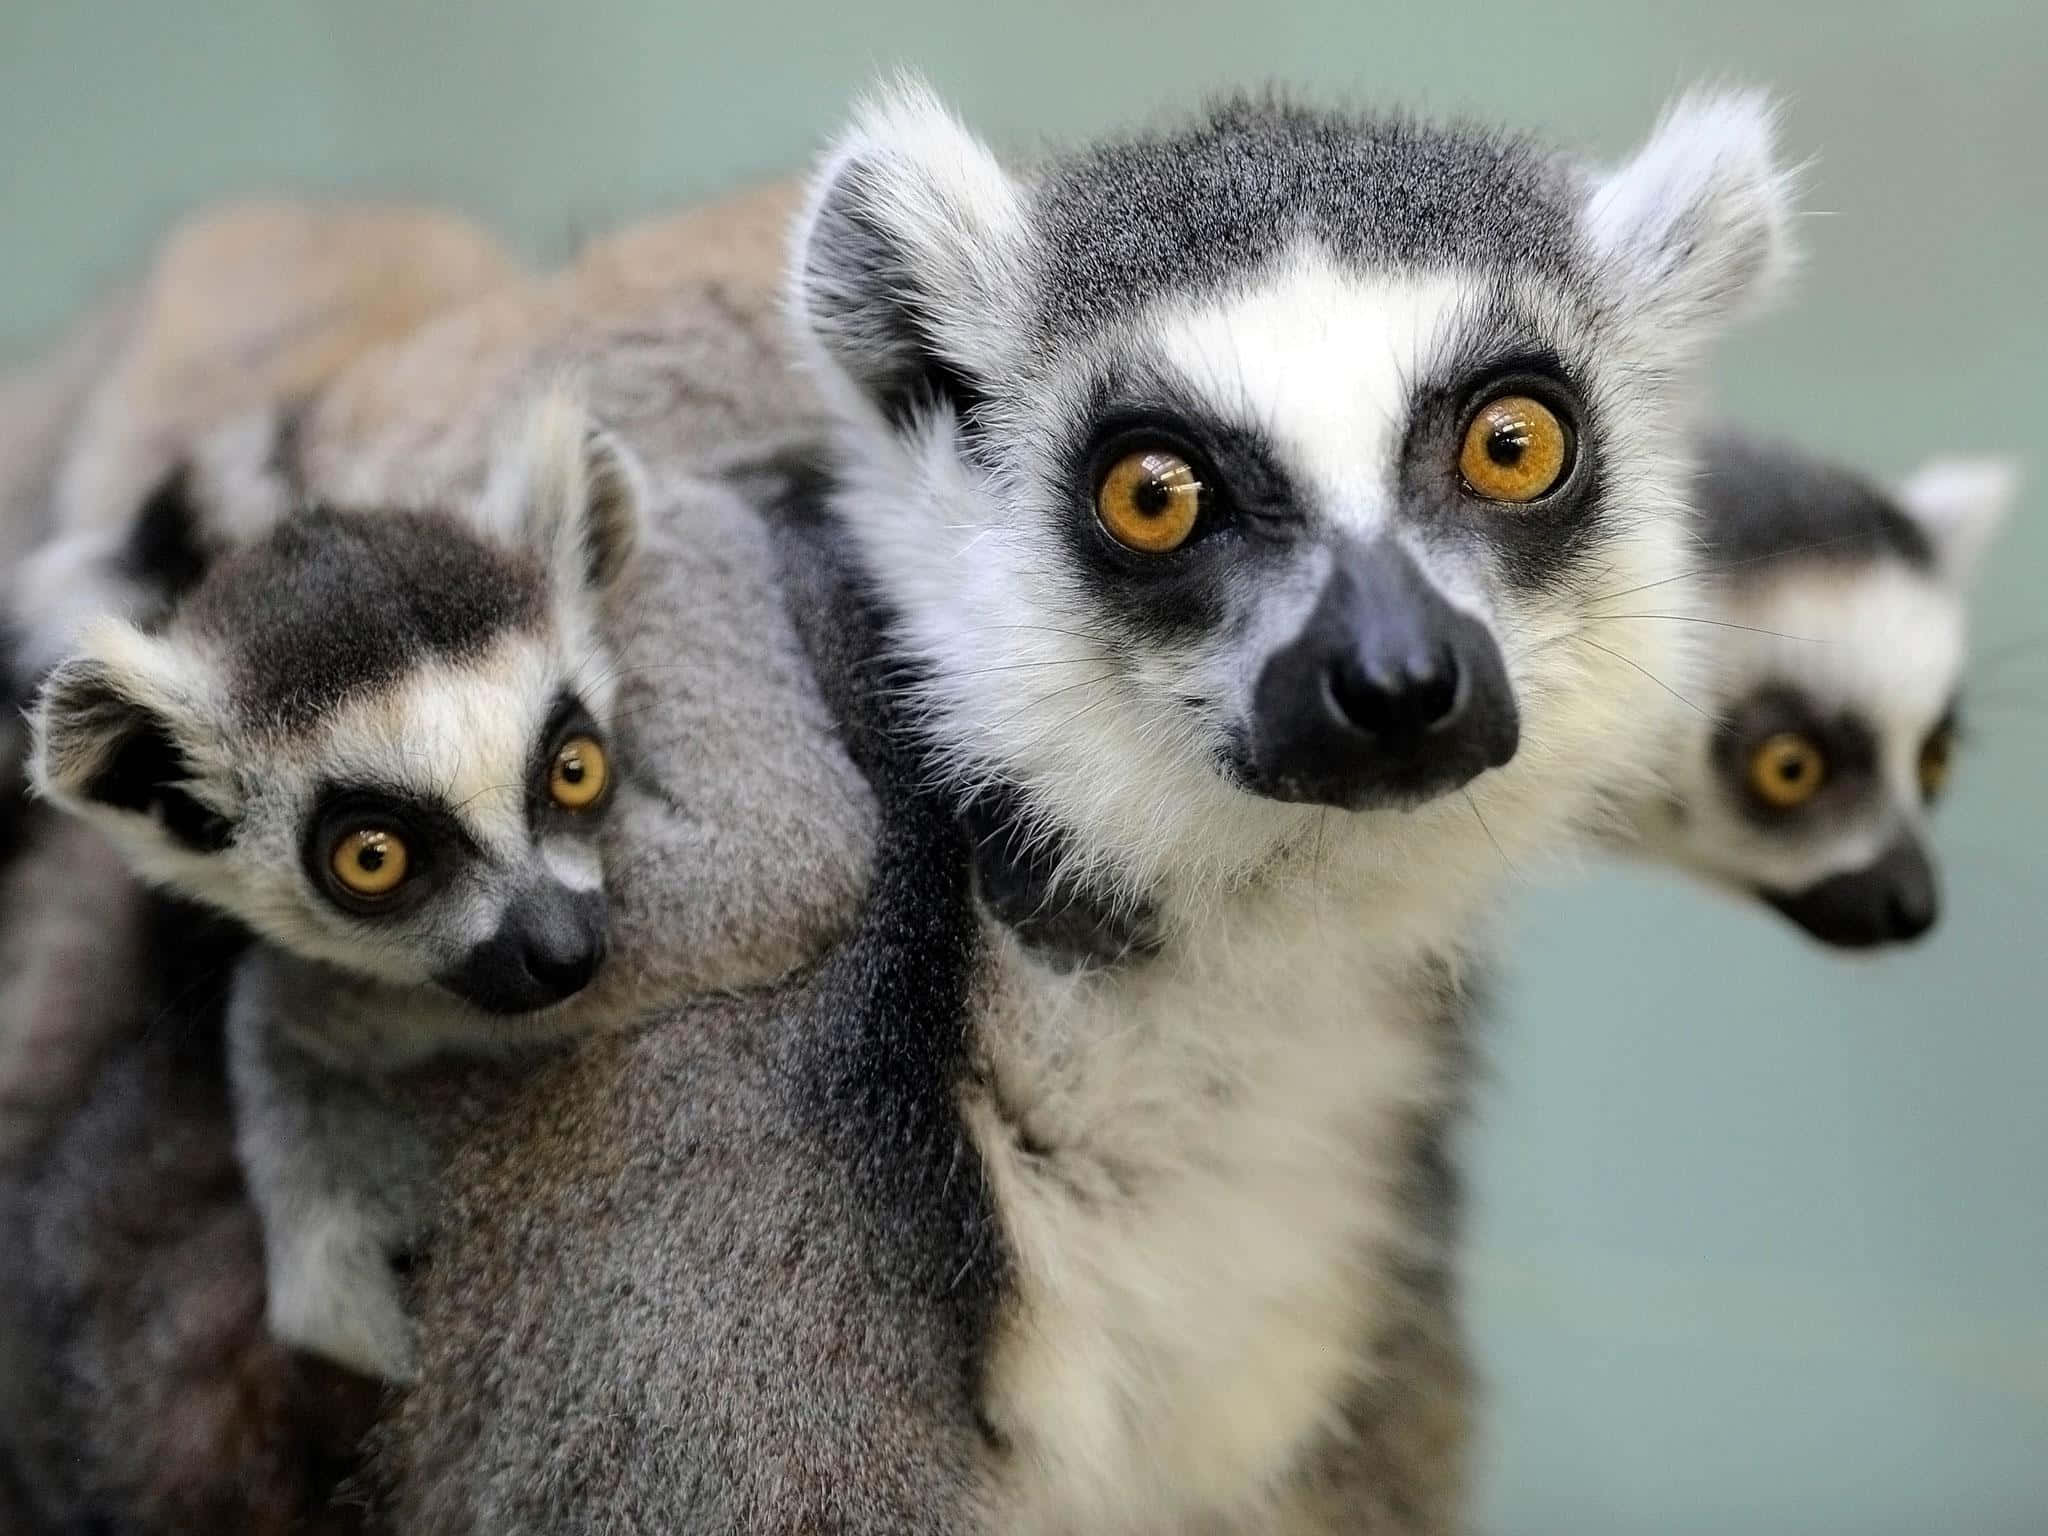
<point x="121" y="727"/>
<point x="1961" y="504"/>
<point x="906" y="255"/>
<point x="571" y="491"/>
<point x="1696" y="224"/>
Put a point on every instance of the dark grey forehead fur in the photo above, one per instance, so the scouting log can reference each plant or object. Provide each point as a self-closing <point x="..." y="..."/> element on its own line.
<point x="1761" y="502"/>
<point x="1193" y="210"/>
<point x="334" y="603"/>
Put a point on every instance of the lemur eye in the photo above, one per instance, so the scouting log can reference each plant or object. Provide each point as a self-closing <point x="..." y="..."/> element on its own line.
<point x="370" y="861"/>
<point x="1935" y="755"/>
<point x="1516" y="449"/>
<point x="1787" y="770"/>
<point x="578" y="775"/>
<point x="1149" y="501"/>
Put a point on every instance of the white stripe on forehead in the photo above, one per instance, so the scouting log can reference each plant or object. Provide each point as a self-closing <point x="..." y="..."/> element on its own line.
<point x="1321" y="360"/>
<point x="464" y="732"/>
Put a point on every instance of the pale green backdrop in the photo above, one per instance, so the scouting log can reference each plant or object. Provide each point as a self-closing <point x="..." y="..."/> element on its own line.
<point x="1762" y="1235"/>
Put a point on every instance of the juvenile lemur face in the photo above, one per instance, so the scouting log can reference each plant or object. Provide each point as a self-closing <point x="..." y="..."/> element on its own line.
<point x="1281" y="464"/>
<point x="1831" y="717"/>
<point x="379" y="737"/>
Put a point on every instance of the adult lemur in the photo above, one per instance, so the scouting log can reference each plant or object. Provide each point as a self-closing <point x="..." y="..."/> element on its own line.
<point x="1827" y="721"/>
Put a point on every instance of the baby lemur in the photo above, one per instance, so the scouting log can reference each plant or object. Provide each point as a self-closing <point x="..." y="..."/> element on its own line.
<point x="380" y="740"/>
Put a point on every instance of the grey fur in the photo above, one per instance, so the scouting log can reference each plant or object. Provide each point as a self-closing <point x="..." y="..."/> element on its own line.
<point x="743" y="1269"/>
<point x="1763" y="501"/>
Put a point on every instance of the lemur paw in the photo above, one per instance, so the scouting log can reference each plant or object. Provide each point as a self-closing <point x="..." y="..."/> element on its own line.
<point x="333" y="1294"/>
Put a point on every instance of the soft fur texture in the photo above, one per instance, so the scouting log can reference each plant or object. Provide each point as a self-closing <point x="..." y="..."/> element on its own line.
<point x="755" y="841"/>
<point x="935" y="1235"/>
<point x="244" y="314"/>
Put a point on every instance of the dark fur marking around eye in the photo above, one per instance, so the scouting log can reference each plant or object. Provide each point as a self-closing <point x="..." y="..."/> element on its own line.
<point x="1848" y="746"/>
<point x="1250" y="513"/>
<point x="1540" y="544"/>
<point x="436" y="842"/>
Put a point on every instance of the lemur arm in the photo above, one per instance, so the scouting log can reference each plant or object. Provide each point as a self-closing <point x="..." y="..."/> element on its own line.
<point x="340" y="1176"/>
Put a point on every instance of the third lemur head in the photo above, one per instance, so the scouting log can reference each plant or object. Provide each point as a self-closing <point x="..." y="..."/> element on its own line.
<point x="1831" y="716"/>
<point x="378" y="737"/>
<point x="1276" y="465"/>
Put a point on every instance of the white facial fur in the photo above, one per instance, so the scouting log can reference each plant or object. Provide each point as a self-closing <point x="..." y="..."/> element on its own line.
<point x="465" y="731"/>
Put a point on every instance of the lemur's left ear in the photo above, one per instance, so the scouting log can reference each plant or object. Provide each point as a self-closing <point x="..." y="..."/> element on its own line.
<point x="1961" y="504"/>
<point x="579" y="492"/>
<point x="1697" y="223"/>
<point x="906" y="257"/>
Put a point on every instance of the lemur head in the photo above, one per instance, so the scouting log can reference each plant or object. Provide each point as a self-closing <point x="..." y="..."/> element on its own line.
<point x="1830" y="718"/>
<point x="378" y="737"/>
<point x="1281" y="464"/>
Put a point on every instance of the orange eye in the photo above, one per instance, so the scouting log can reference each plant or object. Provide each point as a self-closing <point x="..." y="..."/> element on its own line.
<point x="369" y="862"/>
<point x="1149" y="501"/>
<point x="579" y="774"/>
<point x="1515" y="450"/>
<point x="1936" y="755"/>
<point x="1787" y="770"/>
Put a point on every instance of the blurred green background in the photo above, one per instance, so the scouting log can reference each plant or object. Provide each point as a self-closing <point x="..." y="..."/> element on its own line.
<point x="1762" y="1242"/>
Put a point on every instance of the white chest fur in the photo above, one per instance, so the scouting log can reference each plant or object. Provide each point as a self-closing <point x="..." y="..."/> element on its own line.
<point x="1195" y="1162"/>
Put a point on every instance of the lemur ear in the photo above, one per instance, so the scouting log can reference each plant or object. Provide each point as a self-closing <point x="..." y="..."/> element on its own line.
<point x="1961" y="504"/>
<point x="113" y="731"/>
<point x="906" y="256"/>
<point x="580" y="495"/>
<point x="1697" y="223"/>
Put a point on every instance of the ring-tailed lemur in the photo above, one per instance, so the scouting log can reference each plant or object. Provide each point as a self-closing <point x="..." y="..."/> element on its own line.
<point x="379" y="739"/>
<point x="1829" y="716"/>
<point x="1245" y="501"/>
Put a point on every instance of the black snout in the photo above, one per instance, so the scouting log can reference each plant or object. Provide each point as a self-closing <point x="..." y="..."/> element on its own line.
<point x="547" y="948"/>
<point x="1894" y="900"/>
<point x="1388" y="696"/>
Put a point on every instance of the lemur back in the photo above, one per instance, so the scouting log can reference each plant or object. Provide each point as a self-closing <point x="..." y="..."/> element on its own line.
<point x="1829" y="716"/>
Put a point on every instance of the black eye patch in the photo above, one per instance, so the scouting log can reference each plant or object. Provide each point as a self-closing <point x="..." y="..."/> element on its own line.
<point x="1847" y="747"/>
<point x="568" y="718"/>
<point x="1537" y="543"/>
<point x="435" y="844"/>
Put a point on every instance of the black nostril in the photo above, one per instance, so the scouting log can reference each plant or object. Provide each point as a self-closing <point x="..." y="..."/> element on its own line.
<point x="1909" y="911"/>
<point x="1404" y="698"/>
<point x="563" y="968"/>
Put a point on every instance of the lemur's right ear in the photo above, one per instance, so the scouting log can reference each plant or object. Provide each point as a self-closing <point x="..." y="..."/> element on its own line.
<point x="907" y="256"/>
<point x="1961" y="504"/>
<point x="114" y="730"/>
<point x="574" y="493"/>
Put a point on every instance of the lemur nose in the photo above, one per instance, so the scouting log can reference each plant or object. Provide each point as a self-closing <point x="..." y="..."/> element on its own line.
<point x="1390" y="699"/>
<point x="1389" y="695"/>
<point x="562" y="962"/>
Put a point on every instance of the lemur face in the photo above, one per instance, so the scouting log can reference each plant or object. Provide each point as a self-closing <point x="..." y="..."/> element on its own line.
<point x="378" y="738"/>
<point x="1831" y="719"/>
<point x="1280" y="465"/>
